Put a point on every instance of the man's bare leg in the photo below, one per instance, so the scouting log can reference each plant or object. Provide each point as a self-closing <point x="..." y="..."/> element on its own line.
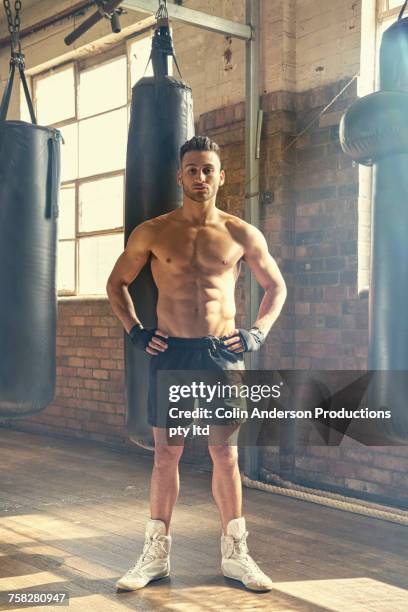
<point x="165" y="482"/>
<point x="236" y="562"/>
<point x="226" y="480"/>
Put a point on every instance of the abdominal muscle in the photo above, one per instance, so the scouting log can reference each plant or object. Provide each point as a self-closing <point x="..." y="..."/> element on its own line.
<point x="196" y="307"/>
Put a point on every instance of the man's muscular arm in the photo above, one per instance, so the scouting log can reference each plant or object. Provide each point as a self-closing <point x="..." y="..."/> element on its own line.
<point x="268" y="275"/>
<point x="126" y="269"/>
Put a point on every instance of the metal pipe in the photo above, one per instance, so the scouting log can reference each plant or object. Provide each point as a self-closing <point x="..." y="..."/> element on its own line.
<point x="102" y="10"/>
<point x="253" y="118"/>
<point x="211" y="23"/>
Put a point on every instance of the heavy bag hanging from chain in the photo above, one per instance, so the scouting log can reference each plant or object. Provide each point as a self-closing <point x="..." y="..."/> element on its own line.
<point x="161" y="121"/>
<point x="29" y="186"/>
<point x="374" y="131"/>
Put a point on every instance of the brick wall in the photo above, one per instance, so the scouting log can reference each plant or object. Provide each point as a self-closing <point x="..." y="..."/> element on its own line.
<point x="324" y="312"/>
<point x="327" y="41"/>
<point x="212" y="65"/>
<point x="379" y="472"/>
<point x="308" y="214"/>
<point x="331" y="320"/>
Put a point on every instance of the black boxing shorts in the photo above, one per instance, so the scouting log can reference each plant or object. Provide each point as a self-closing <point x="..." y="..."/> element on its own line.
<point x="203" y="360"/>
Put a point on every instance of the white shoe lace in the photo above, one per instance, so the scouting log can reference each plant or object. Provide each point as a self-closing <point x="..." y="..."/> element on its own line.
<point x="152" y="549"/>
<point x="242" y="552"/>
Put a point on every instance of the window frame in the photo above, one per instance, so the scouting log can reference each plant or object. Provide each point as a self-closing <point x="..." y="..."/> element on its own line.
<point x="384" y="12"/>
<point x="81" y="65"/>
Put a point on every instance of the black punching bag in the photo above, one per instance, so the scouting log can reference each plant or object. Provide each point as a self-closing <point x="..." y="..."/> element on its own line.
<point x="161" y="121"/>
<point x="29" y="186"/>
<point x="374" y="131"/>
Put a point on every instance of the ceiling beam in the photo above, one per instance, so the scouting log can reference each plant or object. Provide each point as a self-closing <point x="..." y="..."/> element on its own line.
<point x="226" y="27"/>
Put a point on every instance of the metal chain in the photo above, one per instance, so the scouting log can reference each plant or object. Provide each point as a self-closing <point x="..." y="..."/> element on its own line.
<point x="14" y="24"/>
<point x="162" y="13"/>
<point x="17" y="22"/>
<point x="10" y="20"/>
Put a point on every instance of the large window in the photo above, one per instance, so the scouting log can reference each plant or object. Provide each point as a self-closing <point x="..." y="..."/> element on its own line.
<point x="89" y="101"/>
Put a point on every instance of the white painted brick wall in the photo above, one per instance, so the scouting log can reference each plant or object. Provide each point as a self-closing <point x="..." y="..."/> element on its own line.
<point x="200" y="55"/>
<point x="305" y="44"/>
<point x="327" y="41"/>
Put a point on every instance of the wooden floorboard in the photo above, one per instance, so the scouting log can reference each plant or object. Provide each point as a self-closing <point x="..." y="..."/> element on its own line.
<point x="72" y="517"/>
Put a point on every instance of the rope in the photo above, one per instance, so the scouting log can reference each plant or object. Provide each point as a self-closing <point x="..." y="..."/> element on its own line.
<point x="307" y="128"/>
<point x="402" y="10"/>
<point x="331" y="500"/>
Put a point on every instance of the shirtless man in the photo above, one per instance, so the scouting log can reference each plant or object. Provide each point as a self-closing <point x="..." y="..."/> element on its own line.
<point x="196" y="255"/>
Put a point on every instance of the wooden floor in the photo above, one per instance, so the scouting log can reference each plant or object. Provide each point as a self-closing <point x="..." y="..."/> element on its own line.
<point x="72" y="517"/>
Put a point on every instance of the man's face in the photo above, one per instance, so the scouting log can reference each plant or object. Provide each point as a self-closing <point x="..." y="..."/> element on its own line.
<point x="201" y="175"/>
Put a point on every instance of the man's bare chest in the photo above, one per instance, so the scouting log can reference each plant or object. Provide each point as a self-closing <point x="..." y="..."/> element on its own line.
<point x="198" y="248"/>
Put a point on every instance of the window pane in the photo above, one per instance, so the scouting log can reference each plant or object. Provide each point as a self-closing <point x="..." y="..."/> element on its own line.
<point x="66" y="266"/>
<point x="55" y="96"/>
<point x="97" y="256"/>
<point x="66" y="222"/>
<point x="103" y="88"/>
<point x="24" y="112"/>
<point x="394" y="3"/>
<point x="102" y="143"/>
<point x="69" y="152"/>
<point x="101" y="204"/>
<point x="139" y="56"/>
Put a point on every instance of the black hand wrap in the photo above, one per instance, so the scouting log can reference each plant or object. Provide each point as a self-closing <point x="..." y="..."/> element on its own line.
<point x="252" y="340"/>
<point x="141" y="337"/>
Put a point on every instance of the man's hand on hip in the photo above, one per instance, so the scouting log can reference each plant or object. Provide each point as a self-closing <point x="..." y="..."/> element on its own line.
<point x="150" y="340"/>
<point x="244" y="341"/>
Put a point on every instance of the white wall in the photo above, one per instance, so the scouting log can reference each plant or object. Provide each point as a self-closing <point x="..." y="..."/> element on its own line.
<point x="327" y="41"/>
<point x="305" y="44"/>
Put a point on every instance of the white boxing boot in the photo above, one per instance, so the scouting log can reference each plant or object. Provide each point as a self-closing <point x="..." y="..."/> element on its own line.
<point x="236" y="561"/>
<point x="153" y="563"/>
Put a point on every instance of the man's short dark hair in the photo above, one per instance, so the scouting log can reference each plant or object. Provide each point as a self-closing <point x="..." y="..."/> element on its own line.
<point x="199" y="143"/>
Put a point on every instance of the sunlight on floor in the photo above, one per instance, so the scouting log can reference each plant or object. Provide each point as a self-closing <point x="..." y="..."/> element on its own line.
<point x="343" y="594"/>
